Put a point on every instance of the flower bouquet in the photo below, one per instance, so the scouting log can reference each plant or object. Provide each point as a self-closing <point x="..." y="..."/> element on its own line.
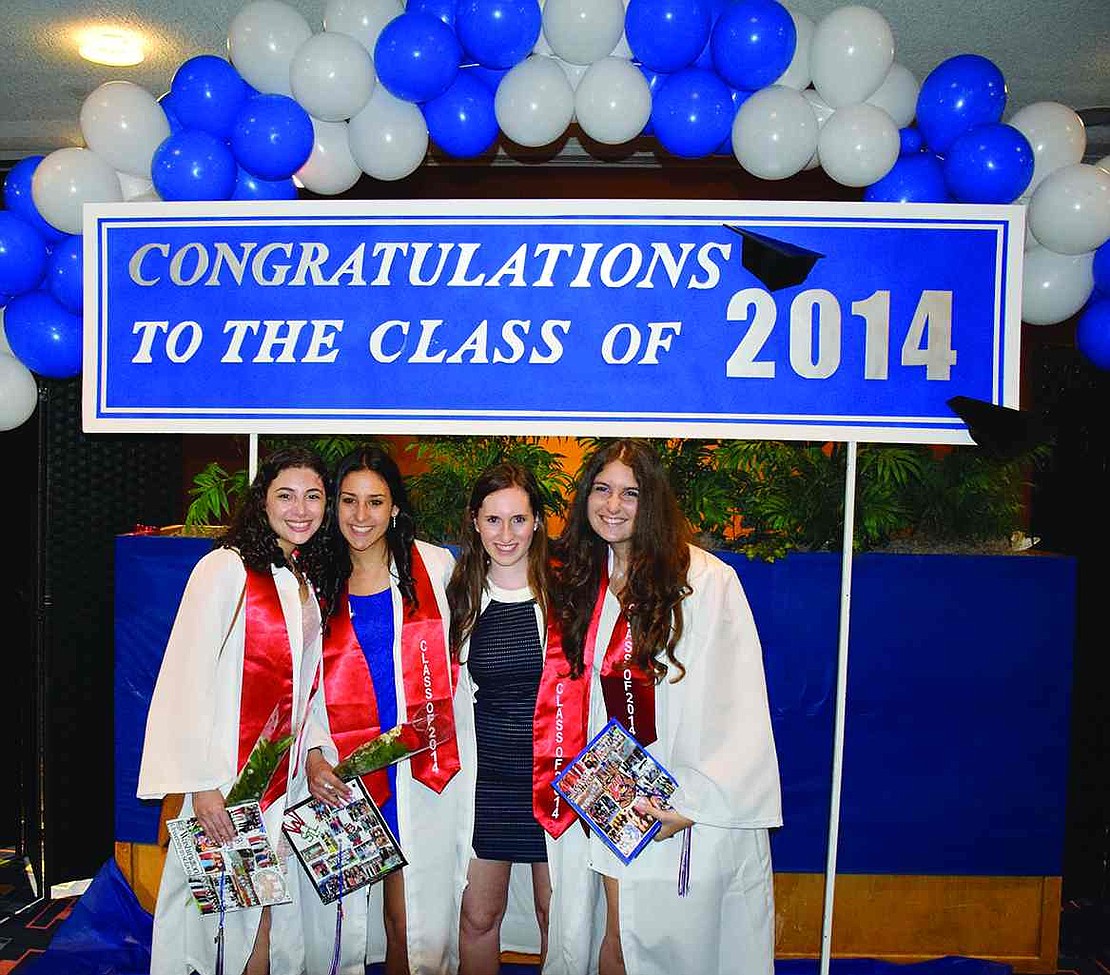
<point x="398" y="743"/>
<point x="263" y="760"/>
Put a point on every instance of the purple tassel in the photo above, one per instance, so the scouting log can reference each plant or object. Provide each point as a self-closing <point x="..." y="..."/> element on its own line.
<point x="220" y="929"/>
<point x="684" y="863"/>
<point x="338" y="919"/>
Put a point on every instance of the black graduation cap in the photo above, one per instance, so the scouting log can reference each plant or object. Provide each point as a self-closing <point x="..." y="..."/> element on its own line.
<point x="1002" y="432"/>
<point x="777" y="263"/>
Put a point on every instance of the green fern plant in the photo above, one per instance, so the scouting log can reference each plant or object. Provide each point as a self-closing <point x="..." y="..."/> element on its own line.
<point x="214" y="493"/>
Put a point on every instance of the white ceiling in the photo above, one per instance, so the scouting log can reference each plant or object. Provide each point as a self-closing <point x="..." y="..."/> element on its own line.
<point x="1056" y="50"/>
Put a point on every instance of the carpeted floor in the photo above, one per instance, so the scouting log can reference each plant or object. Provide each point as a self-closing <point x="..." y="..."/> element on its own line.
<point x="27" y="925"/>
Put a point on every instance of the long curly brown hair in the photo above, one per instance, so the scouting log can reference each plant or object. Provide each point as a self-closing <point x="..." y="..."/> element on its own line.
<point x="657" y="568"/>
<point x="250" y="533"/>
<point x="464" y="591"/>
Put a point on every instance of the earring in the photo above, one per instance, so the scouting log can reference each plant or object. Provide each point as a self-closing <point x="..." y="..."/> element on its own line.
<point x="394" y="521"/>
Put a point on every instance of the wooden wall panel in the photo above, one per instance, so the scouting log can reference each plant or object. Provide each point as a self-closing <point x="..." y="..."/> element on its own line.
<point x="898" y="918"/>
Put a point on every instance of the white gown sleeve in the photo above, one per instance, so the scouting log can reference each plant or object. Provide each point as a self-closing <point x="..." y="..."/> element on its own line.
<point x="722" y="751"/>
<point x="186" y="730"/>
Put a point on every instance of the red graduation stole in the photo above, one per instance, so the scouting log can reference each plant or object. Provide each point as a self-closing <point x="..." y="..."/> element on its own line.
<point x="267" y="676"/>
<point x="349" y="692"/>
<point x="563" y="708"/>
<point x="428" y="682"/>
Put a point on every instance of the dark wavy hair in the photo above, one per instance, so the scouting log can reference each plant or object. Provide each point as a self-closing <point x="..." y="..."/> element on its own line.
<point x="464" y="591"/>
<point x="658" y="565"/>
<point x="250" y="532"/>
<point x="399" y="536"/>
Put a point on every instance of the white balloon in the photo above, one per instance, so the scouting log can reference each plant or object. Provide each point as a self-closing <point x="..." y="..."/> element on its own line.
<point x="1054" y="286"/>
<point x="261" y="42"/>
<point x="361" y="19"/>
<point x="822" y="110"/>
<point x="774" y="133"/>
<point x="389" y="137"/>
<point x="135" y="187"/>
<point x="574" y="72"/>
<point x="123" y="124"/>
<point x="19" y="394"/>
<point x="858" y="145"/>
<point x="534" y="102"/>
<point x="897" y="95"/>
<point x="1030" y="240"/>
<point x="851" y="52"/>
<point x="4" y="346"/>
<point x="330" y="168"/>
<point x="613" y="101"/>
<point x="332" y="76"/>
<point x="66" y="180"/>
<point x="797" y="73"/>
<point x="583" y="31"/>
<point x="1070" y="211"/>
<point x="1055" y="133"/>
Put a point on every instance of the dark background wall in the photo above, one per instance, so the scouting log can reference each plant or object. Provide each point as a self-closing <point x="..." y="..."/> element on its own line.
<point x="68" y="494"/>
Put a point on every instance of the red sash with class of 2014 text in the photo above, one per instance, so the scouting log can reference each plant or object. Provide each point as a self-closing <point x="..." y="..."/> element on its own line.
<point x="267" y="676"/>
<point x="428" y="680"/>
<point x="563" y="708"/>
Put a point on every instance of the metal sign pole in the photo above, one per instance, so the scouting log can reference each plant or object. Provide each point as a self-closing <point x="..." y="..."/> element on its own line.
<point x="252" y="458"/>
<point x="841" y="699"/>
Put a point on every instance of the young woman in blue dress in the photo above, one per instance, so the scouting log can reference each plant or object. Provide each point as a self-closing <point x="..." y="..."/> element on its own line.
<point x="385" y="662"/>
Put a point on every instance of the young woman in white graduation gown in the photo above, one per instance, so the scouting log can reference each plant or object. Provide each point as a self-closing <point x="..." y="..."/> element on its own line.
<point x="386" y="662"/>
<point x="246" y="640"/>
<point x="663" y="636"/>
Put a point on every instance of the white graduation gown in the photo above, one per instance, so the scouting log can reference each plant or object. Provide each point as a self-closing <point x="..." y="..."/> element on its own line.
<point x="191" y="744"/>
<point x="435" y="838"/>
<point x="575" y="908"/>
<point x="714" y="735"/>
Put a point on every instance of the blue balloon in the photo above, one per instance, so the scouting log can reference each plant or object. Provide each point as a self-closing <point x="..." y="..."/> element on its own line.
<point x="193" y="165"/>
<point x="498" y="33"/>
<point x="1101" y="268"/>
<point x="248" y="187"/>
<point x="958" y="94"/>
<point x="443" y="9"/>
<point x="916" y="178"/>
<point x="910" y="141"/>
<point x="462" y="121"/>
<point x="490" y="77"/>
<point x="1092" y="334"/>
<point x="667" y="35"/>
<point x="166" y="102"/>
<point x="752" y="43"/>
<point x="272" y="136"/>
<point x="417" y="57"/>
<point x="23" y="255"/>
<point x="992" y="163"/>
<point x="43" y="335"/>
<point x="65" y="274"/>
<point x="692" y="112"/>
<point x="17" y="198"/>
<point x="207" y="94"/>
<point x="705" y="59"/>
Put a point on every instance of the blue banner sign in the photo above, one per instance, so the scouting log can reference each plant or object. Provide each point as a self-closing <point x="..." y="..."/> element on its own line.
<point x="746" y="319"/>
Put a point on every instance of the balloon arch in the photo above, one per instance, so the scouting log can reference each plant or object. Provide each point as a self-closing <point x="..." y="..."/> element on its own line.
<point x="781" y="93"/>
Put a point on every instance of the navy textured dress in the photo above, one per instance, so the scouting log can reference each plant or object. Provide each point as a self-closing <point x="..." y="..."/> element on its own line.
<point x="505" y="662"/>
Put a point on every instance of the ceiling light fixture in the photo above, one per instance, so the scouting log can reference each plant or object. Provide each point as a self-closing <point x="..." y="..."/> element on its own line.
<point x="111" y="45"/>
